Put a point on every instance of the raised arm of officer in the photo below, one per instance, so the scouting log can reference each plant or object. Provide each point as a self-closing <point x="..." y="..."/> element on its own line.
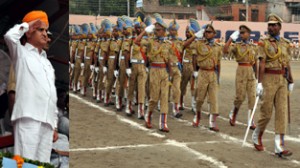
<point x="137" y="41"/>
<point x="13" y="36"/>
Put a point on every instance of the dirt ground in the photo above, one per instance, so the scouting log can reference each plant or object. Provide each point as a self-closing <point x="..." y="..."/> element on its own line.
<point x="101" y="137"/>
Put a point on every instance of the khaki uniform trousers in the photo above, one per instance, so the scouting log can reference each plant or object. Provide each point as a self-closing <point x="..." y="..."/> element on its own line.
<point x="245" y="84"/>
<point x="137" y="78"/>
<point x="159" y="89"/>
<point x="187" y="77"/>
<point x="176" y="80"/>
<point x="121" y="80"/>
<point x="148" y="86"/>
<point x="87" y="72"/>
<point x="207" y="86"/>
<point x="77" y="70"/>
<point x="110" y="78"/>
<point x="100" y="82"/>
<point x="274" y="95"/>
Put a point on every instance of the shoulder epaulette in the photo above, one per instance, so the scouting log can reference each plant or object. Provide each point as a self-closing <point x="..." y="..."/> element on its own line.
<point x="286" y="40"/>
<point x="168" y="41"/>
<point x="218" y="44"/>
<point x="264" y="38"/>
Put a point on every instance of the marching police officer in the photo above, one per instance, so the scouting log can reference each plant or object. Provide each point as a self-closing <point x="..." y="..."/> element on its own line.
<point x="88" y="56"/>
<point x="138" y="77"/>
<point x="79" y="56"/>
<point x="274" y="81"/>
<point x="158" y="52"/>
<point x="209" y="54"/>
<point x="177" y="47"/>
<point x="187" y="61"/>
<point x="245" y="83"/>
<point x="102" y="55"/>
<point x="114" y="49"/>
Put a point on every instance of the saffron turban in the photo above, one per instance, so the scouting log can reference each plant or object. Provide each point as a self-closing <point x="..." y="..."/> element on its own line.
<point x="34" y="15"/>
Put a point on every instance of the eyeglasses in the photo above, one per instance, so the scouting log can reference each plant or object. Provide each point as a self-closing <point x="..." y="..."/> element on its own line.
<point x="158" y="29"/>
<point x="242" y="32"/>
<point x="208" y="31"/>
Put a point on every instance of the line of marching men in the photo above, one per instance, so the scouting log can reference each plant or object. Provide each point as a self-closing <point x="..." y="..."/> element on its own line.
<point x="140" y="60"/>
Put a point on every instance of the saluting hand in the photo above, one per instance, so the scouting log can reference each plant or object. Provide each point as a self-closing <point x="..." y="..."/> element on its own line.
<point x="33" y="25"/>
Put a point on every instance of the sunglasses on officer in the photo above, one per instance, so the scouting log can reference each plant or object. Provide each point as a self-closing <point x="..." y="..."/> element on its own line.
<point x="158" y="29"/>
<point x="208" y="31"/>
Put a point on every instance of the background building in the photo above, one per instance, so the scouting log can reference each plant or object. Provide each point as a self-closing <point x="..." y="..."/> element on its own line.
<point x="168" y="11"/>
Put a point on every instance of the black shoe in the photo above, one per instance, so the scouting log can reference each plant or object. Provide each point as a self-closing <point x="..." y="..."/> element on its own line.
<point x="142" y="118"/>
<point x="164" y="130"/>
<point x="284" y="153"/>
<point x="178" y="115"/>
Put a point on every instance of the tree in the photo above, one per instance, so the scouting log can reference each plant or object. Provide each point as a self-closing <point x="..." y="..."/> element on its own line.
<point x="217" y="2"/>
<point x="111" y="7"/>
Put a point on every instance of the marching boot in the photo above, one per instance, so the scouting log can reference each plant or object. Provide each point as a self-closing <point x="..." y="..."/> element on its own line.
<point x="106" y="100"/>
<point x="176" y="111"/>
<point x="128" y="109"/>
<point x="232" y="116"/>
<point x="74" y="88"/>
<point x="196" y="120"/>
<point x="136" y="100"/>
<point x="279" y="146"/>
<point x="257" y="139"/>
<point x="163" y="123"/>
<point x="83" y="91"/>
<point x="119" y="103"/>
<point x="118" y="106"/>
<point x="125" y="94"/>
<point x="113" y="94"/>
<point x="158" y="105"/>
<point x="147" y="102"/>
<point x="133" y="103"/>
<point x="110" y="102"/>
<point x="193" y="104"/>
<point x="213" y="122"/>
<point x="113" y="91"/>
<point x="71" y="85"/>
<point x="148" y="118"/>
<point x="98" y="99"/>
<point x="181" y="106"/>
<point x="94" y="92"/>
<point x="141" y="111"/>
<point x="102" y="95"/>
<point x="252" y="124"/>
<point x="78" y="86"/>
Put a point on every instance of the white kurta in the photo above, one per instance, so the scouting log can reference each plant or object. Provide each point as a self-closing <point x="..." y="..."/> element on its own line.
<point x="35" y="80"/>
